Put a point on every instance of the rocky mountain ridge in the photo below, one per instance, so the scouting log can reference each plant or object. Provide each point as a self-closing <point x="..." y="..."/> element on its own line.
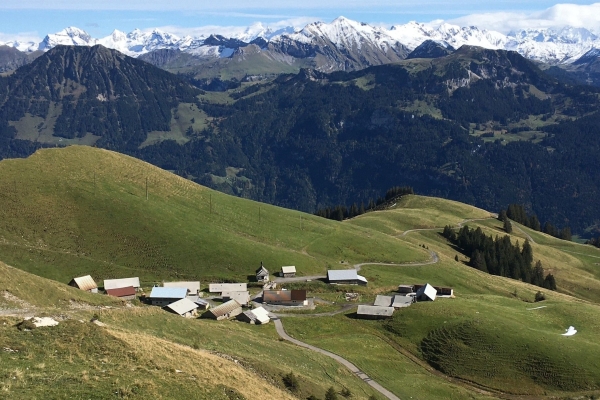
<point x="342" y="35"/>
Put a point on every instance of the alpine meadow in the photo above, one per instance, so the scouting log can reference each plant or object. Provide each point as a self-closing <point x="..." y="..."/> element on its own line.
<point x="338" y="211"/>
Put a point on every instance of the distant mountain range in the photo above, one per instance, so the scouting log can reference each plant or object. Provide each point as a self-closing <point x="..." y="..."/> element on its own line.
<point x="482" y="126"/>
<point x="344" y="36"/>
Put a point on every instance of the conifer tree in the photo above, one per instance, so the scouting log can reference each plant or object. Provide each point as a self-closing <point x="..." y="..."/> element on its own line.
<point x="507" y="225"/>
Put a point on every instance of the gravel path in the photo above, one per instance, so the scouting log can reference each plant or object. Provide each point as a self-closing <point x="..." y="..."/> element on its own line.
<point x="282" y="333"/>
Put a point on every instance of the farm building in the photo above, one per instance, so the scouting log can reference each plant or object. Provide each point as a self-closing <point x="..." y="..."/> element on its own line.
<point x="383" y="301"/>
<point x="184" y="307"/>
<point x="440" y="291"/>
<point x="288" y="272"/>
<point x="426" y="293"/>
<point x="121" y="283"/>
<point x="402" y="301"/>
<point x="406" y="288"/>
<point x="162" y="296"/>
<point x="393" y="301"/>
<point x="226" y="310"/>
<point x="345" y="277"/>
<point x="202" y="304"/>
<point x="262" y="274"/>
<point x="227" y="287"/>
<point x="285" y="297"/>
<point x="124" y="293"/>
<point x="257" y="316"/>
<point x="85" y="283"/>
<point x="374" y="312"/>
<point x="193" y="287"/>
<point x="241" y="297"/>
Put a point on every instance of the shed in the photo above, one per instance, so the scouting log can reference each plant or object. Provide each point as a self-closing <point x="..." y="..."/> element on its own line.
<point x="426" y="293"/>
<point x="227" y="287"/>
<point x="121" y="283"/>
<point x="374" y="312"/>
<point x="345" y="277"/>
<point x="444" y="291"/>
<point x="288" y="271"/>
<point x="124" y="293"/>
<point x="383" y="301"/>
<point x="241" y="297"/>
<point x="202" y="304"/>
<point x="406" y="288"/>
<point x="193" y="287"/>
<point x="262" y="274"/>
<point x="257" y="316"/>
<point x="285" y="297"/>
<point x="162" y="296"/>
<point x="226" y="310"/>
<point x="86" y="283"/>
<point x="402" y="301"/>
<point x="184" y="307"/>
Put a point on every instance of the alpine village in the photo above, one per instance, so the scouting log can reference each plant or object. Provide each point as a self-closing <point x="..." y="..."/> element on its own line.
<point x="333" y="211"/>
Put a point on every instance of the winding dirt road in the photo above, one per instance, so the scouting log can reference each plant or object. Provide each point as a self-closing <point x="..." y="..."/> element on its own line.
<point x="283" y="334"/>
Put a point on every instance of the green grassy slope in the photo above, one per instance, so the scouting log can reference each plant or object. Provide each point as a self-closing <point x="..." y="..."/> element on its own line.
<point x="81" y="210"/>
<point x="492" y="340"/>
<point x="144" y="351"/>
<point x="491" y="336"/>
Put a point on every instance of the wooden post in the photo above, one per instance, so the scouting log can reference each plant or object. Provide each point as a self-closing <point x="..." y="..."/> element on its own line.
<point x="146" y="188"/>
<point x="259" y="215"/>
<point x="94" y="183"/>
<point x="210" y="202"/>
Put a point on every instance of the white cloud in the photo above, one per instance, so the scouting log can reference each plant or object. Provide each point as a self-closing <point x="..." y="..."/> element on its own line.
<point x="560" y="15"/>
<point x="22" y="37"/>
<point x="187" y="5"/>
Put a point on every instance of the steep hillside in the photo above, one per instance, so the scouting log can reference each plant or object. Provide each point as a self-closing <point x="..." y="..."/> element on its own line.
<point x="89" y="95"/>
<point x="485" y="127"/>
<point x="80" y="210"/>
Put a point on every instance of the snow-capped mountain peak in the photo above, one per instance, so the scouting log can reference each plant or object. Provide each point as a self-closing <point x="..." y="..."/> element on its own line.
<point x="70" y="36"/>
<point x="553" y="45"/>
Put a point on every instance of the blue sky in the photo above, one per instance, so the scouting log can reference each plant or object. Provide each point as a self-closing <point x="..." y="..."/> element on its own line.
<point x="36" y="18"/>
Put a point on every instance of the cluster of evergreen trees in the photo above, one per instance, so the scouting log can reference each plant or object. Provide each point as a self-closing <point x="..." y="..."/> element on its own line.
<point x="594" y="241"/>
<point x="341" y="212"/>
<point x="499" y="256"/>
<point x="517" y="213"/>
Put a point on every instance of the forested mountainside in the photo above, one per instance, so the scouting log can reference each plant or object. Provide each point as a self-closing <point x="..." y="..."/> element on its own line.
<point x="486" y="127"/>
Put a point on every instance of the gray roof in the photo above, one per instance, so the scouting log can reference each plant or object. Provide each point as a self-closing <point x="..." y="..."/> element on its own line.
<point x="201" y="302"/>
<point x="402" y="301"/>
<point x="225" y="308"/>
<point x="227" y="287"/>
<point x="383" y="301"/>
<point x="375" y="310"/>
<point x="182" y="306"/>
<point x="168" y="293"/>
<point x="240" y="297"/>
<point x="342" y="274"/>
<point x="120" y="283"/>
<point x="192" y="286"/>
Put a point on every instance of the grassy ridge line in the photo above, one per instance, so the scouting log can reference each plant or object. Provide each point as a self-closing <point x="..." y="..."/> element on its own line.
<point x="82" y="360"/>
<point x="44" y="293"/>
<point x="256" y="346"/>
<point x="91" y="204"/>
